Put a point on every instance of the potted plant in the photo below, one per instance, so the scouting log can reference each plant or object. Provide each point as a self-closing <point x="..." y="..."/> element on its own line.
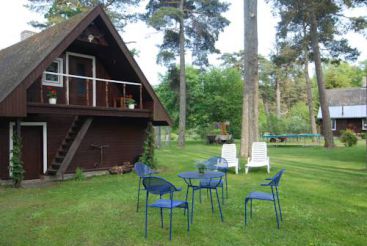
<point x="130" y="102"/>
<point x="201" y="168"/>
<point x="51" y="94"/>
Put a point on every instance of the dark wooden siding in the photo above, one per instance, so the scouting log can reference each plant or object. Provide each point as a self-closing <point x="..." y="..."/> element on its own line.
<point x="14" y="105"/>
<point x="125" y="138"/>
<point x="342" y="124"/>
<point x="4" y="148"/>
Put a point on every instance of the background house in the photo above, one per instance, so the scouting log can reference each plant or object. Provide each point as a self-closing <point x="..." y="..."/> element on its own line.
<point x="348" y="109"/>
<point x="85" y="66"/>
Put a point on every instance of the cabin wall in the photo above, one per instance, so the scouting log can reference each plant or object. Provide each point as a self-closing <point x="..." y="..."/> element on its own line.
<point x="342" y="124"/>
<point x="4" y="148"/>
<point x="125" y="138"/>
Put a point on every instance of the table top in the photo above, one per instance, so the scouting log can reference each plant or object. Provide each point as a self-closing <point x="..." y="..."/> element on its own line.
<point x="197" y="175"/>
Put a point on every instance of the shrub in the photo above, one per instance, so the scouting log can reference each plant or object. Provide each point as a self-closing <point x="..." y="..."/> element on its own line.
<point x="79" y="174"/>
<point x="364" y="135"/>
<point x="348" y="137"/>
<point x="147" y="156"/>
<point x="16" y="169"/>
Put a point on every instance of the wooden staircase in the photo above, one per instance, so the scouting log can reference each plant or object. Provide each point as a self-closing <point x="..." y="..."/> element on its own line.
<point x="69" y="146"/>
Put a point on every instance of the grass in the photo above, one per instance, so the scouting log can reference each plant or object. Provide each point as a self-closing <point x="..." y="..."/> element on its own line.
<point x="323" y="195"/>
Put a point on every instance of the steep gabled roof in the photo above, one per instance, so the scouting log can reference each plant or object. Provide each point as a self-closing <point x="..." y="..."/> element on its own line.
<point x="20" y="59"/>
<point x="22" y="63"/>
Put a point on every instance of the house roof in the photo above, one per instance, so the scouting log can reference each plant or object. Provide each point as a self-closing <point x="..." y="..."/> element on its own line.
<point x="347" y="96"/>
<point x="343" y="112"/>
<point x="22" y="63"/>
<point x="346" y="103"/>
<point x="20" y="59"/>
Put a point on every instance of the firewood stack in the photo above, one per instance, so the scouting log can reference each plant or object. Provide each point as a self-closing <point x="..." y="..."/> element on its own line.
<point x="126" y="167"/>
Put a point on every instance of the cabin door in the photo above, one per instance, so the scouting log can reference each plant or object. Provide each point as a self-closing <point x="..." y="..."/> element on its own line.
<point x="32" y="154"/>
<point x="81" y="89"/>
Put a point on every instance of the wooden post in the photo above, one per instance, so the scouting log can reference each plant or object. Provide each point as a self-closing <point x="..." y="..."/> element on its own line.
<point x="87" y="88"/>
<point x="124" y="96"/>
<point x="106" y="93"/>
<point x="141" y="96"/>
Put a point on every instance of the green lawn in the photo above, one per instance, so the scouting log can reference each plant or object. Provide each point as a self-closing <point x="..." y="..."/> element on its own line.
<point x="323" y="195"/>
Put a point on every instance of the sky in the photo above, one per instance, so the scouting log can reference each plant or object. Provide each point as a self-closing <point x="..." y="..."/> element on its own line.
<point x="14" y="18"/>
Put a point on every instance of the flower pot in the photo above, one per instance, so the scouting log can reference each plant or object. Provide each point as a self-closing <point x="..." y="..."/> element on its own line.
<point x="131" y="106"/>
<point x="52" y="100"/>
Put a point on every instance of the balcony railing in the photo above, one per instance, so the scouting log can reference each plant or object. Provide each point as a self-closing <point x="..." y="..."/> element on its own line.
<point x="118" y="101"/>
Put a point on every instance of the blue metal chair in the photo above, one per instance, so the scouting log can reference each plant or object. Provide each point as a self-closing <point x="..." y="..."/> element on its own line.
<point x="273" y="196"/>
<point x="216" y="164"/>
<point x="142" y="170"/>
<point x="160" y="186"/>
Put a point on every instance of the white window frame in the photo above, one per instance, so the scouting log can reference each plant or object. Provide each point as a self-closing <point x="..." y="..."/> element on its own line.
<point x="60" y="69"/>
<point x="44" y="138"/>
<point x="333" y="124"/>
<point x="364" y="124"/>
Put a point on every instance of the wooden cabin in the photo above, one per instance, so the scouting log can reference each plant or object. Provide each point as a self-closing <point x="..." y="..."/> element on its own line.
<point x="66" y="91"/>
<point x="347" y="108"/>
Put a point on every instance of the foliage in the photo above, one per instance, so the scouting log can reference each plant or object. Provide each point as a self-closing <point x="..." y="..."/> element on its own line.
<point x="364" y="135"/>
<point x="92" y="210"/>
<point x="16" y="168"/>
<point x="148" y="154"/>
<point x="203" y="21"/>
<point x="51" y="92"/>
<point x="213" y="96"/>
<point x="342" y="75"/>
<point x="348" y="137"/>
<point x="79" y="174"/>
<point x="56" y="11"/>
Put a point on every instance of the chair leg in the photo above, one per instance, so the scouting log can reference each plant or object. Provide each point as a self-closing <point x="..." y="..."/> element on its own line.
<point x="200" y="196"/>
<point x="161" y="217"/>
<point x="170" y="224"/>
<point x="137" y="205"/>
<point x="211" y="200"/>
<point x="188" y="217"/>
<point x="226" y="186"/>
<point x="280" y="209"/>
<point x="223" y="195"/>
<point x="276" y="213"/>
<point x="146" y="217"/>
<point x="187" y="193"/>
<point x="220" y="209"/>
<point x="251" y="208"/>
<point x="192" y="205"/>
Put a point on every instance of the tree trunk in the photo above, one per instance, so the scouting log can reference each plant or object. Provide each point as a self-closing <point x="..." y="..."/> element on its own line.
<point x="326" y="123"/>
<point x="182" y="120"/>
<point x="309" y="96"/>
<point x="251" y="89"/>
<point x="277" y="96"/>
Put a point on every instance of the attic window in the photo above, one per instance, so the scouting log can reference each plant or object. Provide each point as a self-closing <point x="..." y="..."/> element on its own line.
<point x="364" y="124"/>
<point x="51" y="79"/>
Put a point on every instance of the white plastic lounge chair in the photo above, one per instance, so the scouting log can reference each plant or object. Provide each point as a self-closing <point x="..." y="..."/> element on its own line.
<point x="259" y="156"/>
<point x="229" y="152"/>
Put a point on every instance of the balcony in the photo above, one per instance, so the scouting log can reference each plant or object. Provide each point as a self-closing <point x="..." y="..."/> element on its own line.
<point x="82" y="95"/>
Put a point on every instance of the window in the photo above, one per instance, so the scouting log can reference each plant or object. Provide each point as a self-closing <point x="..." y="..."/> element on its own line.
<point x="364" y="124"/>
<point x="51" y="79"/>
<point x="333" y="124"/>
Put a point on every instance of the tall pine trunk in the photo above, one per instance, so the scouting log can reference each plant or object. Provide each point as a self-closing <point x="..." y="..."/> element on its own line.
<point x="326" y="123"/>
<point x="309" y="96"/>
<point x="182" y="117"/>
<point x="250" y="111"/>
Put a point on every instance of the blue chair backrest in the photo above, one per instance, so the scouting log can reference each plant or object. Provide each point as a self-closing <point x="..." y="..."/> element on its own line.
<point x="142" y="169"/>
<point x="217" y="163"/>
<point x="158" y="185"/>
<point x="276" y="179"/>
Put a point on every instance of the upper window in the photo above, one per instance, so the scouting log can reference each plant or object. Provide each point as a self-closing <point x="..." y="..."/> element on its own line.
<point x="333" y="124"/>
<point x="364" y="124"/>
<point x="52" y="79"/>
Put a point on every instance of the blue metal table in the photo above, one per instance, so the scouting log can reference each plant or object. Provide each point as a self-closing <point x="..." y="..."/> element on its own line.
<point x="190" y="179"/>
